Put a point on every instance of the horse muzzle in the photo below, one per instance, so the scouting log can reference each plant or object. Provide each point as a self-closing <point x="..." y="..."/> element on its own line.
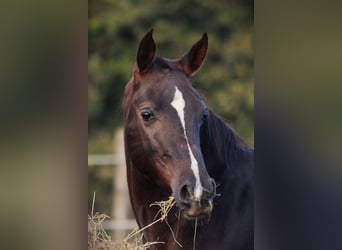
<point x="196" y="208"/>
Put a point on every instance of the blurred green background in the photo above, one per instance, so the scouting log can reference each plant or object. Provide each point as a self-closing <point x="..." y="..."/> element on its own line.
<point x="225" y="80"/>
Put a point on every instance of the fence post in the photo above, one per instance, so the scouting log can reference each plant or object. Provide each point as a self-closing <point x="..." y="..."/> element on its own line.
<point x="121" y="208"/>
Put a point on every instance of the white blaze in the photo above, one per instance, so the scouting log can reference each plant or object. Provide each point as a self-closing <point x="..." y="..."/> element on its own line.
<point x="178" y="104"/>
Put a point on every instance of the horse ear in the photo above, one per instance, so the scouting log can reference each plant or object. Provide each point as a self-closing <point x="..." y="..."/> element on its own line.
<point x="146" y="51"/>
<point x="192" y="60"/>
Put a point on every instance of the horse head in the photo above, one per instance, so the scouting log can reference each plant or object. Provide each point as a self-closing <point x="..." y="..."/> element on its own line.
<point x="163" y="115"/>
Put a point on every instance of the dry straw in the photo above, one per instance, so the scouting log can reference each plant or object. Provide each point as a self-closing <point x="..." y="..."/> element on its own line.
<point x="99" y="239"/>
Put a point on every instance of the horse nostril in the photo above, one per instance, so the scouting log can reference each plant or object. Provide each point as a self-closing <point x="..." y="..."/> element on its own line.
<point x="185" y="194"/>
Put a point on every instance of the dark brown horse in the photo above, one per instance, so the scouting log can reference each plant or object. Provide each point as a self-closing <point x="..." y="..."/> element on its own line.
<point x="176" y="146"/>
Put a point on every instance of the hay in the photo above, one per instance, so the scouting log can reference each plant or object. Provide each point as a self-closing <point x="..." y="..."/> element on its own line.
<point x="97" y="236"/>
<point x="194" y="239"/>
<point x="99" y="239"/>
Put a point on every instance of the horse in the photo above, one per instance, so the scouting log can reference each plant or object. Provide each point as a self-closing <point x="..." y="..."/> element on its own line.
<point x="176" y="146"/>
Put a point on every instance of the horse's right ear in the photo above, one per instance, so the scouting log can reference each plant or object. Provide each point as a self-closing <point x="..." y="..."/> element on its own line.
<point x="193" y="59"/>
<point x="146" y="52"/>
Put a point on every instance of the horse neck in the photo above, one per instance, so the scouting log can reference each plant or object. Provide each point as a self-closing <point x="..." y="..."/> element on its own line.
<point x="224" y="152"/>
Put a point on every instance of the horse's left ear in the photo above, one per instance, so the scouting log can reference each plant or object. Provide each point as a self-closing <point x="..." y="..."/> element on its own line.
<point x="192" y="60"/>
<point x="146" y="52"/>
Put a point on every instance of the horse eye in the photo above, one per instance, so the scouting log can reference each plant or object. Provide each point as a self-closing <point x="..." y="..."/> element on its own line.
<point x="146" y="115"/>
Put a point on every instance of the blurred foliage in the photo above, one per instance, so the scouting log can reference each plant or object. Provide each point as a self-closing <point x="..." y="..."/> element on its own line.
<point x="226" y="79"/>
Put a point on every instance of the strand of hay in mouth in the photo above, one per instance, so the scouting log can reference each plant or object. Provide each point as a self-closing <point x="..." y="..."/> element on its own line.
<point x="195" y="233"/>
<point x="165" y="207"/>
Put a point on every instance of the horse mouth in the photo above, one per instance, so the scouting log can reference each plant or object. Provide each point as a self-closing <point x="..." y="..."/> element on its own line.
<point x="198" y="211"/>
<point x="198" y="217"/>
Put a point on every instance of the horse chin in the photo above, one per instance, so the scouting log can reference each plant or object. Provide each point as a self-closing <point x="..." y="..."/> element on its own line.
<point x="198" y="217"/>
<point x="198" y="212"/>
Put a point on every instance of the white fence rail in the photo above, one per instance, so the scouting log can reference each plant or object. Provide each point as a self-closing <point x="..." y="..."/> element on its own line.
<point x="119" y="224"/>
<point x="103" y="159"/>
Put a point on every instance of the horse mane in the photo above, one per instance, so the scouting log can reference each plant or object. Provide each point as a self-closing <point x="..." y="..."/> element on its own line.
<point x="222" y="148"/>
